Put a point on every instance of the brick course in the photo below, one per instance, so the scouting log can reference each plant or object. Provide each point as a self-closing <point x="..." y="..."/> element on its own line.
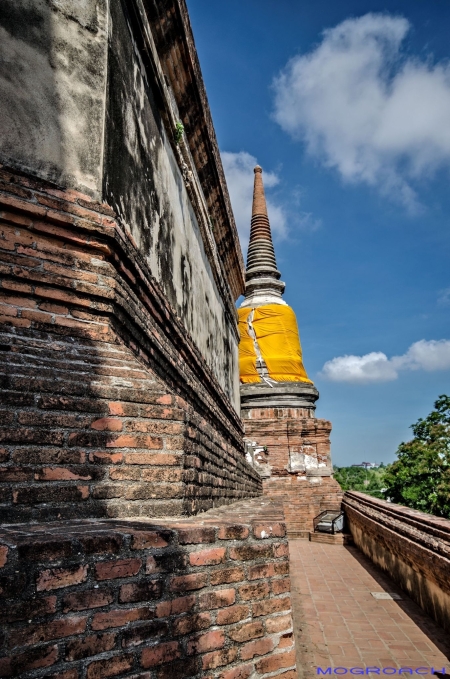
<point x="107" y="407"/>
<point x="138" y="624"/>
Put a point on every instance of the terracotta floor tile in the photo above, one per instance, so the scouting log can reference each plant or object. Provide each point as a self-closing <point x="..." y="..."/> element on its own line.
<point x="343" y="625"/>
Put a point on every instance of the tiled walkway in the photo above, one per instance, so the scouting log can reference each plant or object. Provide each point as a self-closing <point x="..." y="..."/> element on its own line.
<point x="338" y="623"/>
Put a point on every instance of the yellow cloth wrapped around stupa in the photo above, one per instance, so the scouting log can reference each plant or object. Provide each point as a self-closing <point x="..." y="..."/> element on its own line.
<point x="278" y="342"/>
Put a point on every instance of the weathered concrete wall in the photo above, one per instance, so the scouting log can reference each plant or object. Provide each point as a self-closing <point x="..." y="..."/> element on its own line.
<point x="81" y="106"/>
<point x="412" y="547"/>
<point x="52" y="89"/>
<point x="145" y="187"/>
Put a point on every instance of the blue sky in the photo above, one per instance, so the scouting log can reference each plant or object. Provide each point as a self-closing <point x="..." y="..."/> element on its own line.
<point x="347" y="108"/>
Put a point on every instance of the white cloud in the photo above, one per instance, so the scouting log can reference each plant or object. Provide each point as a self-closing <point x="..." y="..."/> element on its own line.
<point x="377" y="367"/>
<point x="444" y="297"/>
<point x="238" y="169"/>
<point x="365" y="109"/>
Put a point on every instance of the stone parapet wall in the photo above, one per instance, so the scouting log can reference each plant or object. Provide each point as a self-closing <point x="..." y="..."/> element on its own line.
<point x="411" y="546"/>
<point x="107" y="406"/>
<point x="205" y="597"/>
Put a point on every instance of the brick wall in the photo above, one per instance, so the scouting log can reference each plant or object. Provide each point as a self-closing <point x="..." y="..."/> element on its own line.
<point x="205" y="597"/>
<point x="297" y="463"/>
<point x="107" y="407"/>
<point x="411" y="546"/>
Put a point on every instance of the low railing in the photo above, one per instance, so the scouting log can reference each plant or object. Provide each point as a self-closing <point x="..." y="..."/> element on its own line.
<point x="411" y="546"/>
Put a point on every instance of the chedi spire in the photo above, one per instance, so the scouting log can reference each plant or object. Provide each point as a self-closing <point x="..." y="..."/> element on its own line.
<point x="262" y="278"/>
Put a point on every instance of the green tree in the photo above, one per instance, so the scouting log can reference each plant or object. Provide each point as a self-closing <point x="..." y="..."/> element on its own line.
<point x="420" y="477"/>
<point x="369" y="481"/>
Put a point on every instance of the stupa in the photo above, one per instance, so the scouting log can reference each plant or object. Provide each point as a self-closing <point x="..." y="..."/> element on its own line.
<point x="289" y="446"/>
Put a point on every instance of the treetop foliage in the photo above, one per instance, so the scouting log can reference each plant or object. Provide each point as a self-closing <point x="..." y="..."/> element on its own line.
<point x="420" y="477"/>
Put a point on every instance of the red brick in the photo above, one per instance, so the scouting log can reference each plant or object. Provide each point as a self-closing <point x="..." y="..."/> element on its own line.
<point x="281" y="549"/>
<point x="32" y="659"/>
<point x="184" y="583"/>
<point x="157" y="655"/>
<point x="125" y="474"/>
<point x="107" y="424"/>
<point x="233" y="614"/>
<point x="27" y="610"/>
<point x="127" y="441"/>
<point x="271" y="606"/>
<point x="259" y="590"/>
<point x="56" y="578"/>
<point x="147" y="539"/>
<point x="175" y="607"/>
<point x="227" y="575"/>
<point x="276" y="662"/>
<point x="263" y="570"/>
<point x="56" y="629"/>
<point x="259" y="647"/>
<point x="67" y="674"/>
<point x="207" y="557"/>
<point x="278" y="624"/>
<point x="116" y="408"/>
<point x="241" y="672"/>
<point x="187" y="536"/>
<point x="217" y="599"/>
<point x="59" y="474"/>
<point x="110" y="667"/>
<point x="119" y="617"/>
<point x="123" y="568"/>
<point x="210" y="641"/>
<point x="286" y="640"/>
<point x="14" y="474"/>
<point x="3" y="555"/>
<point x="144" y="633"/>
<point x="76" y="649"/>
<point x="281" y="586"/>
<point x="218" y="658"/>
<point x="185" y="624"/>
<point x="163" y="475"/>
<point x="106" y="458"/>
<point x="140" y="591"/>
<point x="54" y="308"/>
<point x="101" y="543"/>
<point x="80" y="601"/>
<point x="177" y="669"/>
<point x="234" y="532"/>
<point x="249" y="552"/>
<point x="269" y="530"/>
<point x="246" y="632"/>
<point x="281" y="568"/>
<point x="163" y="459"/>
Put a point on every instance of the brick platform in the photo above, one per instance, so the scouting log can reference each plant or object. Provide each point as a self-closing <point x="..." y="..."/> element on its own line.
<point x="338" y="623"/>
<point x="204" y="597"/>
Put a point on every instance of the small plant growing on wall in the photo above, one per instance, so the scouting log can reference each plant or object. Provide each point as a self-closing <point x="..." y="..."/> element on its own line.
<point x="179" y="131"/>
